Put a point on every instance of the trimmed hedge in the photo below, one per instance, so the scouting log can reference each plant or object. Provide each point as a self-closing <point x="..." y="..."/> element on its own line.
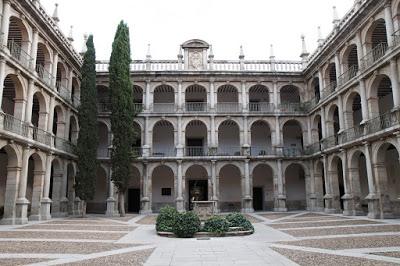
<point x="216" y="224"/>
<point x="166" y="219"/>
<point x="239" y="220"/>
<point x="186" y="225"/>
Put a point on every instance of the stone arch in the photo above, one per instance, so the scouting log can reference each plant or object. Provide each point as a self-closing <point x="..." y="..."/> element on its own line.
<point x="350" y="60"/>
<point x="195" y="98"/>
<point x="73" y="130"/>
<point x="261" y="138"/>
<point x="316" y="89"/>
<point x="61" y="78"/>
<point x="263" y="187"/>
<point x="292" y="136"/>
<point x="99" y="202"/>
<point x="332" y="121"/>
<point x="196" y="138"/>
<point x="44" y="62"/>
<point x="229" y="138"/>
<point x="331" y="77"/>
<point x="163" y="139"/>
<point x="230" y="188"/>
<point x="39" y="110"/>
<point x="164" y="98"/>
<point x="198" y="185"/>
<point x="259" y="93"/>
<point x="316" y="130"/>
<point x="104" y="140"/>
<point x="359" y="180"/>
<point x="58" y="127"/>
<point x="380" y="96"/>
<point x="163" y="186"/>
<point x="133" y="193"/>
<point x="353" y="110"/>
<point x="337" y="184"/>
<point x="227" y="93"/>
<point x="295" y="187"/>
<point x="35" y="183"/>
<point x="290" y="94"/>
<point x="376" y="35"/>
<point x="19" y="36"/>
<point x="138" y="134"/>
<point x="13" y="96"/>
<point x="75" y="91"/>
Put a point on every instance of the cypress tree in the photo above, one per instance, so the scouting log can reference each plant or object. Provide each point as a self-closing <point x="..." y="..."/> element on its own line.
<point x="88" y="138"/>
<point x="122" y="112"/>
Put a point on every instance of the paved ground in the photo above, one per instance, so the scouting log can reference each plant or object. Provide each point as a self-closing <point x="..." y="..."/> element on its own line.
<point x="296" y="238"/>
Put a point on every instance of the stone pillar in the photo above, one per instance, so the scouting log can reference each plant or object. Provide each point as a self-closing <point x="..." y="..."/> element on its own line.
<point x="148" y="104"/>
<point x="111" y="201"/>
<point x="364" y="104"/>
<point x="57" y="191"/>
<point x="22" y="203"/>
<point x="276" y="94"/>
<point x="2" y="77"/>
<point x="245" y="139"/>
<point x="179" y="139"/>
<point x="35" y="39"/>
<point x="5" y="21"/>
<point x="179" y="199"/>
<point x="373" y="198"/>
<point x="328" y="197"/>
<point x="46" y="201"/>
<point x="389" y="23"/>
<point x="51" y="115"/>
<point x="247" y="200"/>
<point x="147" y="144"/>
<point x="145" y="200"/>
<point x="29" y="103"/>
<point x="348" y="199"/>
<point x="341" y="113"/>
<point x="394" y="76"/>
<point x="323" y="122"/>
<point x="64" y="191"/>
<point x="280" y="199"/>
<point x="214" y="137"/>
<point x="212" y="95"/>
<point x="338" y="68"/>
<point x="380" y="173"/>
<point x="181" y="99"/>
<point x="244" y="96"/>
<point x="11" y="194"/>
<point x="54" y="69"/>
<point x="310" y="188"/>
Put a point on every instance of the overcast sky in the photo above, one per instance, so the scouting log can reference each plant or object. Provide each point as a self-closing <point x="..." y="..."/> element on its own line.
<point x="226" y="24"/>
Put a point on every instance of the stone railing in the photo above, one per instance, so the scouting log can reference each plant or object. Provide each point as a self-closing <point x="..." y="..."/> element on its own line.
<point x="262" y="151"/>
<point x="261" y="107"/>
<point x="196" y="107"/>
<point x="164" y="107"/>
<point x="374" y="55"/>
<point x="228" y="151"/>
<point x="215" y="65"/>
<point x="193" y="151"/>
<point x="11" y="124"/>
<point x="229" y="107"/>
<point x="293" y="108"/>
<point x="19" y="54"/>
<point x="44" y="75"/>
<point x="165" y="152"/>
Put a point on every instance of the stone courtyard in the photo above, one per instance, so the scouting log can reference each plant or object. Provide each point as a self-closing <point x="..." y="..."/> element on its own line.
<point x="292" y="238"/>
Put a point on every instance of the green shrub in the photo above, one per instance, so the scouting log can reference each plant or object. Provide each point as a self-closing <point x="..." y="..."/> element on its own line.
<point x="239" y="220"/>
<point x="166" y="219"/>
<point x="186" y="225"/>
<point x="216" y="224"/>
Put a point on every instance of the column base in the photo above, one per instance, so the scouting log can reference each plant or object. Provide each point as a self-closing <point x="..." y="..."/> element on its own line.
<point x="280" y="210"/>
<point x="332" y="211"/>
<point x="280" y="203"/>
<point x="22" y="211"/>
<point x="373" y="206"/>
<point x="145" y="206"/>
<point x="247" y="205"/>
<point x="180" y="204"/>
<point x="348" y="205"/>
<point x="77" y="208"/>
<point x="111" y="208"/>
<point x="45" y="209"/>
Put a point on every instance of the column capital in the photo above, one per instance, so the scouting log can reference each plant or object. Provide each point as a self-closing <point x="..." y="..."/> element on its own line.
<point x="366" y="144"/>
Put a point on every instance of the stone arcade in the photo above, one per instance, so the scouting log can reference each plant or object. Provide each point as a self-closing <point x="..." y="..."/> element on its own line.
<point x="320" y="134"/>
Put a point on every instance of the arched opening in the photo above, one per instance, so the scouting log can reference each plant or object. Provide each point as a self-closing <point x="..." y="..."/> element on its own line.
<point x="34" y="188"/>
<point x="353" y="113"/>
<point x="62" y="81"/>
<point x="196" y="178"/>
<point x="195" y="98"/>
<point x="295" y="184"/>
<point x="387" y="170"/>
<point x="137" y="145"/>
<point x="377" y="39"/>
<point x="228" y="139"/>
<point x="290" y="99"/>
<point x="58" y="122"/>
<point x="132" y="200"/>
<point x="230" y="188"/>
<point x="73" y="130"/>
<point x="39" y="114"/>
<point x="18" y="41"/>
<point x="104" y="141"/>
<point x="350" y="62"/>
<point x="332" y="123"/>
<point x="99" y="202"/>
<point x="103" y="99"/>
<point x="163" y="139"/>
<point x="43" y="63"/>
<point x="359" y="178"/>
<point x="163" y="190"/>
<point x="263" y="188"/>
<point x="259" y="99"/>
<point x="331" y="77"/>
<point x="317" y="129"/>
<point x="292" y="138"/>
<point x="76" y="92"/>
<point x="70" y="193"/>
<point x="8" y="177"/>
<point x="227" y="99"/>
<point x="260" y="139"/>
<point x="137" y="94"/>
<point x="381" y="99"/>
<point x="12" y="100"/>
<point x="317" y="89"/>
<point x="164" y="99"/>
<point x="196" y="138"/>
<point x="56" y="180"/>
<point x="337" y="182"/>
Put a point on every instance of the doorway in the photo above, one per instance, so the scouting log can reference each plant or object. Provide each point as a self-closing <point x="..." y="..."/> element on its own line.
<point x="133" y="200"/>
<point x="198" y="191"/>
<point x="258" y="198"/>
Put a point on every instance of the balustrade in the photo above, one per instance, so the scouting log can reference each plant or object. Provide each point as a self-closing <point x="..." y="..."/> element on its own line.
<point x="19" y="54"/>
<point x="195" y="107"/>
<point x="164" y="107"/>
<point x="229" y="107"/>
<point x="261" y="107"/>
<point x="193" y="151"/>
<point x="374" y="55"/>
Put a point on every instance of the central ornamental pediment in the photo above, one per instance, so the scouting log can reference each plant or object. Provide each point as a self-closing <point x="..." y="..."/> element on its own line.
<point x="195" y="43"/>
<point x="195" y="54"/>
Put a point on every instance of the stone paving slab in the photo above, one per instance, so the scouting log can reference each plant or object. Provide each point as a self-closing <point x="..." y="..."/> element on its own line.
<point x="14" y="262"/>
<point x="325" y="223"/>
<point x="313" y="219"/>
<point x="58" y="247"/>
<point x="343" y="230"/>
<point x="274" y="216"/>
<point x="350" y="242"/>
<point x="61" y="235"/>
<point x="78" y="227"/>
<point x="395" y="254"/>
<point x="83" y="221"/>
<point x="149" y="219"/>
<point x="319" y="259"/>
<point x="130" y="258"/>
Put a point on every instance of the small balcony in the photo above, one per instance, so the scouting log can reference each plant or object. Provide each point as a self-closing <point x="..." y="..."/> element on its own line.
<point x="195" y="151"/>
<point x="374" y="55"/>
<point x="293" y="108"/>
<point x="226" y="107"/>
<point x="44" y="75"/>
<point x="163" y="152"/>
<point x="261" y="107"/>
<point x="19" y="54"/>
<point x="196" y="107"/>
<point x="262" y="151"/>
<point x="229" y="151"/>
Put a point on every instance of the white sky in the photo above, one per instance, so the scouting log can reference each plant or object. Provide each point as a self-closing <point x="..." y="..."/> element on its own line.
<point x="226" y="24"/>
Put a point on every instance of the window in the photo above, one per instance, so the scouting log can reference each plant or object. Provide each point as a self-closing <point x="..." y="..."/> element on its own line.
<point x="166" y="191"/>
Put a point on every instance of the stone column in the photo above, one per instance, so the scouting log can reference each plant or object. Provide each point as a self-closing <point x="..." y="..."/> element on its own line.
<point x="215" y="184"/>
<point x="51" y="114"/>
<point x="46" y="201"/>
<point x="389" y="23"/>
<point x="373" y="198"/>
<point x="341" y="113"/>
<point x="179" y="199"/>
<point x="244" y="96"/>
<point x="145" y="201"/>
<point x="348" y="199"/>
<point x="111" y="201"/>
<point x="328" y="197"/>
<point x="54" y="70"/>
<point x="247" y="200"/>
<point x="323" y="122"/>
<point x="147" y="144"/>
<point x="386" y="211"/>
<point x="310" y="184"/>
<point x="214" y="137"/>
<point x="364" y="104"/>
<point x="29" y="103"/>
<point x="22" y="203"/>
<point x="338" y="68"/>
<point x="280" y="200"/>
<point x="245" y="139"/>
<point x="321" y="83"/>
<point x="278" y="137"/>
<point x="179" y="139"/>
<point x="64" y="191"/>
<point x="5" y="21"/>
<point x="394" y="76"/>
<point x="2" y="77"/>
<point x="11" y="194"/>
<point x="35" y="39"/>
<point x="212" y="95"/>
<point x="180" y="97"/>
<point x="148" y="103"/>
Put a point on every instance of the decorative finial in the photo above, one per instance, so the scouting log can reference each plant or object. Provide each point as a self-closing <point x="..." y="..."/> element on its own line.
<point x="320" y="39"/>
<point x="71" y="35"/>
<point x="304" y="54"/>
<point x="84" y="48"/>
<point x="55" y="14"/>
<point x="336" y="19"/>
<point x="241" y="55"/>
<point x="271" y="53"/>
<point x="148" y="55"/>
<point x="211" y="53"/>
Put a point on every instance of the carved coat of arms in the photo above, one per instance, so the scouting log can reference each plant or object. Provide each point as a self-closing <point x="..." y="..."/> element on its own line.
<point x="196" y="60"/>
